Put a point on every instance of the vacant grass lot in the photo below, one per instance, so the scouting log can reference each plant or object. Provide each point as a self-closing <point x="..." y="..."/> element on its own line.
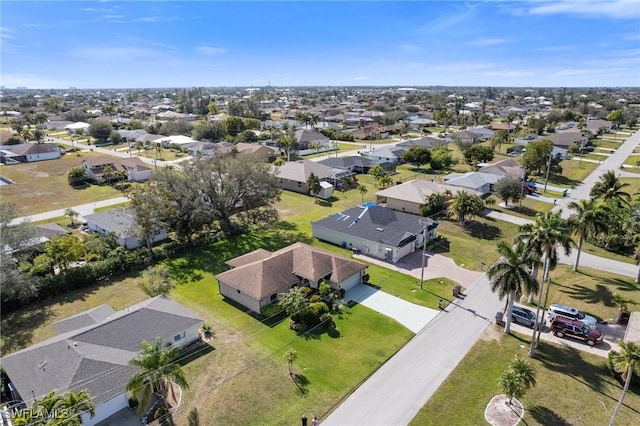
<point x="573" y="387"/>
<point x="529" y="206"/>
<point x="43" y="185"/>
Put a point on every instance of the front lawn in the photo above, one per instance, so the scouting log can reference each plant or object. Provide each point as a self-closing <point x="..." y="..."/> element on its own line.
<point x="529" y="208"/>
<point x="573" y="387"/>
<point x="42" y="186"/>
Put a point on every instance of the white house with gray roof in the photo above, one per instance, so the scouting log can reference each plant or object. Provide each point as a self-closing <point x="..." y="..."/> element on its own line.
<point x="93" y="352"/>
<point x="122" y="224"/>
<point x="376" y="231"/>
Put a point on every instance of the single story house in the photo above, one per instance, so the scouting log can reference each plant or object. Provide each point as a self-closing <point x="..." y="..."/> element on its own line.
<point x="77" y="127"/>
<point x="391" y="155"/>
<point x="376" y="231"/>
<point x="293" y="175"/>
<point x="594" y="125"/>
<point x="258" y="278"/>
<point x="136" y="169"/>
<point x="357" y="164"/>
<point x="304" y="138"/>
<point x="122" y="224"/>
<point x="467" y="136"/>
<point x="425" y="142"/>
<point x="131" y="135"/>
<point x="262" y="152"/>
<point x="167" y="141"/>
<point x="482" y="183"/>
<point x="566" y="138"/>
<point x="29" y="153"/>
<point x="506" y="167"/>
<point x="92" y="352"/>
<point x="410" y="196"/>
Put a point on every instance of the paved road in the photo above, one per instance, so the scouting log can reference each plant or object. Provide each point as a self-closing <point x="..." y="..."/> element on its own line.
<point x="399" y="389"/>
<point x="83" y="209"/>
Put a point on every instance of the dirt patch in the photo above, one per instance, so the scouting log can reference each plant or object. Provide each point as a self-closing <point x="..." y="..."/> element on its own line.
<point x="500" y="413"/>
<point x="493" y="332"/>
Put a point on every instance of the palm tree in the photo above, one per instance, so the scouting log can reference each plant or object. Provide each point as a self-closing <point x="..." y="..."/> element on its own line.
<point x="512" y="385"/>
<point x="71" y="214"/>
<point x="313" y="185"/>
<point x="465" y="205"/>
<point x="587" y="221"/>
<point x="288" y="143"/>
<point x="625" y="362"/>
<point x="610" y="189"/>
<point x="363" y="190"/>
<point x="510" y="275"/>
<point x="75" y="404"/>
<point x="290" y="356"/>
<point x="156" y="372"/>
<point x="542" y="237"/>
<point x="522" y="368"/>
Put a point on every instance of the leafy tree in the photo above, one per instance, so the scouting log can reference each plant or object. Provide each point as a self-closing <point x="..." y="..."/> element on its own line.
<point x="228" y="185"/>
<point x="175" y="127"/>
<point x="610" y="189"/>
<point x="588" y="221"/>
<point x="377" y="172"/>
<point x="114" y="137"/>
<point x="510" y="275"/>
<point x="210" y="130"/>
<point x="156" y="281"/>
<point x="52" y="105"/>
<point x="77" y="176"/>
<point x="148" y="206"/>
<point x="363" y="191"/>
<point x="478" y="154"/>
<point x="156" y="371"/>
<point x="435" y="203"/>
<point x="294" y="301"/>
<point x="15" y="236"/>
<point x="537" y="124"/>
<point x="616" y="117"/>
<point x="100" y="130"/>
<point x="537" y="155"/>
<point x="465" y="205"/>
<point x="233" y="126"/>
<point x="386" y="180"/>
<point x="313" y="185"/>
<point x="626" y="362"/>
<point x="417" y="155"/>
<point x="247" y="136"/>
<point x="509" y="188"/>
<point x="65" y="249"/>
<point x="441" y="158"/>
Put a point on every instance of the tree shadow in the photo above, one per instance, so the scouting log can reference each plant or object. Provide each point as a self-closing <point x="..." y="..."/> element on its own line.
<point x="620" y="284"/>
<point x="18" y="327"/>
<point x="483" y="231"/>
<point x="194" y="417"/>
<point x="301" y="382"/>
<point x="601" y="294"/>
<point x="193" y="352"/>
<point x="545" y="416"/>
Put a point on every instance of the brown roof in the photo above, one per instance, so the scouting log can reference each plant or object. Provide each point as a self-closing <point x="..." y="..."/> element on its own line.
<point x="250" y="257"/>
<point x="505" y="167"/>
<point x="284" y="268"/>
<point x="97" y="164"/>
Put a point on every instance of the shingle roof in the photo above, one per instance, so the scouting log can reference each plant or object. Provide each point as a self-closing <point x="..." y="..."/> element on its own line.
<point x="471" y="180"/>
<point x="300" y="170"/>
<point x="34" y="148"/>
<point x="415" y="191"/>
<point x="506" y="167"/>
<point x="282" y="269"/>
<point x="117" y="221"/>
<point x="376" y="223"/>
<point x="425" y="142"/>
<point x="84" y="319"/>
<point x="95" y="357"/>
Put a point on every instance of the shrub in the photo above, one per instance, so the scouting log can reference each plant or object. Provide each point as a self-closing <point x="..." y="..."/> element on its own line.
<point x="315" y="298"/>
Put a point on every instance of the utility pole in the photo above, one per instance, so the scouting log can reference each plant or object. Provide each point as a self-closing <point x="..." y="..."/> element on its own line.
<point x="524" y="175"/>
<point x="548" y="168"/>
<point x="424" y="248"/>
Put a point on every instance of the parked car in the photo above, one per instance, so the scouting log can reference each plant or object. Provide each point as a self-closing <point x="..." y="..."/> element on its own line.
<point x="571" y="313"/>
<point x="526" y="317"/>
<point x="562" y="326"/>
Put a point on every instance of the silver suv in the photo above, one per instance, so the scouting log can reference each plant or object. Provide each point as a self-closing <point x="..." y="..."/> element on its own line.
<point x="525" y="316"/>
<point x="571" y="313"/>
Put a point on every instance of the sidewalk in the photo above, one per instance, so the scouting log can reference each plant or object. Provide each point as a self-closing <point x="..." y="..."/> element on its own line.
<point x="83" y="209"/>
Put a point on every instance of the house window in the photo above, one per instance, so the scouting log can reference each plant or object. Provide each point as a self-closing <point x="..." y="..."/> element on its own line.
<point x="273" y="297"/>
<point x="179" y="336"/>
<point x="299" y="184"/>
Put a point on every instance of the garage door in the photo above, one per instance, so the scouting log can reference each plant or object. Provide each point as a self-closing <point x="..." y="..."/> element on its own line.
<point x="351" y="282"/>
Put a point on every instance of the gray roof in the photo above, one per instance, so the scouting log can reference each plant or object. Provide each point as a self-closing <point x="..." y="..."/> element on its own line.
<point x="117" y="221"/>
<point x="84" y="319"/>
<point x="376" y="223"/>
<point x="426" y="142"/>
<point x="345" y="162"/>
<point x="95" y="357"/>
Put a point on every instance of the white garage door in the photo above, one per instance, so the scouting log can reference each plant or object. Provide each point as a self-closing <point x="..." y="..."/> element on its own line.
<point x="351" y="282"/>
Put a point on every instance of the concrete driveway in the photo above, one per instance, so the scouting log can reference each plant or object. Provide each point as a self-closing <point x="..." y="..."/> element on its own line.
<point x="412" y="316"/>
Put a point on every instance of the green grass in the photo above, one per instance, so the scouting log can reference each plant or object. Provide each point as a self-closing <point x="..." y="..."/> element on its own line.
<point x="113" y="206"/>
<point x="529" y="208"/>
<point x="604" y="143"/>
<point x="633" y="160"/>
<point x="573" y="387"/>
<point x="573" y="173"/>
<point x="43" y="186"/>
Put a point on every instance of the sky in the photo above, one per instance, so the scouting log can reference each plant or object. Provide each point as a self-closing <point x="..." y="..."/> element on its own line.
<point x="136" y="44"/>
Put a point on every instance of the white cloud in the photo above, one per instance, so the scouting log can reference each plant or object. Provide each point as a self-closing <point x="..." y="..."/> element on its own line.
<point x="5" y="33"/>
<point x="488" y="41"/>
<point x="361" y="78"/>
<point x="616" y="9"/>
<point x="510" y="74"/>
<point x="210" y="51"/>
<point x="445" y="21"/>
<point x="571" y="72"/>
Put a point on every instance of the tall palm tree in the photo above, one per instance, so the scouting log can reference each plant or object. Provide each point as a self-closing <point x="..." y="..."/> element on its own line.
<point x="156" y="372"/>
<point x="543" y="237"/>
<point x="288" y="143"/>
<point x="76" y="404"/>
<point x="71" y="214"/>
<point x="510" y="275"/>
<point x="525" y="370"/>
<point x="512" y="385"/>
<point x="625" y="362"/>
<point x="610" y="189"/>
<point x="363" y="190"/>
<point x="587" y="221"/>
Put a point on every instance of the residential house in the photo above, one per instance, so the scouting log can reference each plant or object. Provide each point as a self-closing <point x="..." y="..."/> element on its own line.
<point x="426" y="142"/>
<point x="388" y="154"/>
<point x="566" y="138"/>
<point x="506" y="167"/>
<point x="258" y="278"/>
<point x="485" y="133"/>
<point x="467" y="136"/>
<point x="255" y="150"/>
<point x="136" y="169"/>
<point x="481" y="183"/>
<point x="357" y="164"/>
<point x="77" y="127"/>
<point x="122" y="224"/>
<point x="306" y="139"/>
<point x="178" y="140"/>
<point x="594" y="126"/>
<point x="371" y="131"/>
<point x="131" y="135"/>
<point x="410" y="196"/>
<point x="376" y="231"/>
<point x="92" y="352"/>
<point x="293" y="176"/>
<point x="29" y="153"/>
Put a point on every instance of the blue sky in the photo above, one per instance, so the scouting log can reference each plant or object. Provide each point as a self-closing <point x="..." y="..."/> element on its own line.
<point x="124" y="44"/>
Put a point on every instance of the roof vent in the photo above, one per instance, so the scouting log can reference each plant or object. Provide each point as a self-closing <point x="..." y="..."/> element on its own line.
<point x="380" y="229"/>
<point x="41" y="364"/>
